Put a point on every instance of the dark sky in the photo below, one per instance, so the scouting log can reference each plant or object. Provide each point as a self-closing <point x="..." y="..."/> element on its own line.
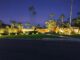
<point x="18" y="10"/>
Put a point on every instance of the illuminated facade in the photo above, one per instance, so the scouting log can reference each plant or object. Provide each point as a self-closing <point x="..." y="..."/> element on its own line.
<point x="51" y="26"/>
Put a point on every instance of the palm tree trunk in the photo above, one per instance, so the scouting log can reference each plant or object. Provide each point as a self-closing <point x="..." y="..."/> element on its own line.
<point x="71" y="7"/>
<point x="62" y="20"/>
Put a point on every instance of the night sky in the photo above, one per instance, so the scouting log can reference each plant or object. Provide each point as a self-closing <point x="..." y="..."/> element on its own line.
<point x="17" y="10"/>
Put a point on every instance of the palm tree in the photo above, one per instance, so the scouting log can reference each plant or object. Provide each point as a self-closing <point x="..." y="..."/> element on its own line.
<point x="66" y="25"/>
<point x="51" y="16"/>
<point x="19" y="25"/>
<point x="13" y="24"/>
<point x="32" y="12"/>
<point x="62" y="18"/>
<point x="1" y="22"/>
<point x="51" y="24"/>
<point x="76" y="22"/>
<point x="28" y="24"/>
<point x="78" y="15"/>
<point x="31" y="8"/>
<point x="71" y="7"/>
<point x="38" y="25"/>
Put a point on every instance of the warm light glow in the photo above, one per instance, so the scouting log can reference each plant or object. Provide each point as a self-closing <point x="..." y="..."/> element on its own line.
<point x="42" y="30"/>
<point x="65" y="31"/>
<point x="27" y="30"/>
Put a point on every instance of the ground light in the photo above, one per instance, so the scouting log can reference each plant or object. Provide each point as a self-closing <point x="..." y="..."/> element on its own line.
<point x="0" y="35"/>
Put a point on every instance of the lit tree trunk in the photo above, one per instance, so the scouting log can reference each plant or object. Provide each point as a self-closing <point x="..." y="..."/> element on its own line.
<point x="71" y="11"/>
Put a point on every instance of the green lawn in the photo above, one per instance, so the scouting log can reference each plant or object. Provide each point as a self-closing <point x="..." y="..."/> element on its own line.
<point x="38" y="36"/>
<point x="75" y="36"/>
<point x="34" y="36"/>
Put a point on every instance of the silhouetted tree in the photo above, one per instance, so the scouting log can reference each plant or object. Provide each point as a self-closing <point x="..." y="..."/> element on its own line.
<point x="51" y="16"/>
<point x="31" y="8"/>
<point x="50" y="24"/>
<point x="78" y="15"/>
<point x="1" y="22"/>
<point x="76" y="22"/>
<point x="13" y="23"/>
<point x="62" y="18"/>
<point x="66" y="25"/>
<point x="32" y="12"/>
<point x="71" y="10"/>
<point x="28" y="24"/>
<point x="19" y="25"/>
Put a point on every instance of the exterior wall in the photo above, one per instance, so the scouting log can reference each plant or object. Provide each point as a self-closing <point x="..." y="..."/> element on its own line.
<point x="66" y="31"/>
<point x="39" y="30"/>
<point x="26" y="30"/>
<point x="9" y="30"/>
<point x="2" y="30"/>
<point x="42" y="30"/>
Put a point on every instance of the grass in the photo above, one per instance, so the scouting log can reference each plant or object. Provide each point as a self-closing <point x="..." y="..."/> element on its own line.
<point x="39" y="36"/>
<point x="75" y="36"/>
<point x="34" y="36"/>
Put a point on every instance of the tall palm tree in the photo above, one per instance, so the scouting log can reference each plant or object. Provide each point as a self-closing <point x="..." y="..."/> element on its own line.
<point x="62" y="18"/>
<point x="32" y="12"/>
<point x="31" y="8"/>
<point x="51" y="16"/>
<point x="71" y="7"/>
